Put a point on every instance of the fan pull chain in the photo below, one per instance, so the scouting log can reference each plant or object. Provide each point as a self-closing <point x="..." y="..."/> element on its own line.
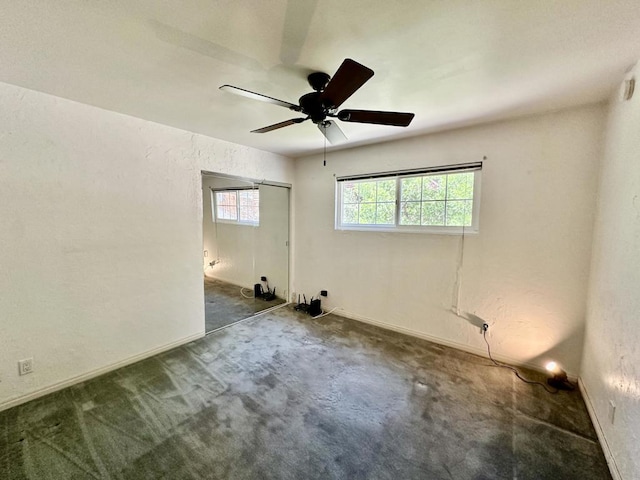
<point x="324" y="161"/>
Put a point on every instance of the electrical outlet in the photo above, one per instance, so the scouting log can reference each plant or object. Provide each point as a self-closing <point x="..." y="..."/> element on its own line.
<point x="25" y="366"/>
<point x="485" y="327"/>
<point x="206" y="253"/>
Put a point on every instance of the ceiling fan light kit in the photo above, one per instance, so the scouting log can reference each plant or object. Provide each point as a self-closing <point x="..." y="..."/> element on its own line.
<point x="321" y="104"/>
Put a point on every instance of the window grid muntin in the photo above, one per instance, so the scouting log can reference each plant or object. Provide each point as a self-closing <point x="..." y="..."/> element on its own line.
<point x="471" y="203"/>
<point x="358" y="203"/>
<point x="249" y="206"/>
<point x="241" y="207"/>
<point x="226" y="205"/>
<point x="447" y="201"/>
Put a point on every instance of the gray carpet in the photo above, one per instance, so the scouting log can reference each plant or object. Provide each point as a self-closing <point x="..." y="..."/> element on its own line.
<point x="224" y="304"/>
<point x="284" y="396"/>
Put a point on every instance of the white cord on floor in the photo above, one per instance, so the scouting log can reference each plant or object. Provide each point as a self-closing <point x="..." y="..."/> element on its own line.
<point x="245" y="296"/>
<point x="324" y="314"/>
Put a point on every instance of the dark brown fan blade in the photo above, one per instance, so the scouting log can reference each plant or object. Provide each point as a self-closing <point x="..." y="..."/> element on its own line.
<point x="332" y="131"/>
<point x="275" y="126"/>
<point x="349" y="78"/>
<point x="259" y="96"/>
<point x="397" y="119"/>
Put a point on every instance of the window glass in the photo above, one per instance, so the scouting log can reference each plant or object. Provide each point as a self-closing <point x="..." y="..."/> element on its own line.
<point x="238" y="206"/>
<point x="226" y="203"/>
<point x="437" y="200"/>
<point x="369" y="202"/>
<point x="249" y="206"/>
<point x="444" y="201"/>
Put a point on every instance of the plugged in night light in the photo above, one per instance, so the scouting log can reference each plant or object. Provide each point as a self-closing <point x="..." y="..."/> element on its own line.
<point x="552" y="367"/>
<point x="558" y="377"/>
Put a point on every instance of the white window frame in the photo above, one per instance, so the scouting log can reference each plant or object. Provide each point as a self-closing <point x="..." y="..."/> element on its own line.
<point x="474" y="228"/>
<point x="237" y="221"/>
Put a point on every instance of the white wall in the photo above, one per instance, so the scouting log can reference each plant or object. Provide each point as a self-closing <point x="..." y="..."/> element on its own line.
<point x="611" y="361"/>
<point x="101" y="236"/>
<point x="525" y="273"/>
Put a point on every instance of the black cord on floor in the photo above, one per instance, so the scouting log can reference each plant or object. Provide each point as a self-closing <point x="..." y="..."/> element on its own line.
<point x="513" y="369"/>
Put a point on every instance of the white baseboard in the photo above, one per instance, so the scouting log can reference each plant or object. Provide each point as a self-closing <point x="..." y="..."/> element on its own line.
<point x="482" y="352"/>
<point x="95" y="373"/>
<point x="611" y="461"/>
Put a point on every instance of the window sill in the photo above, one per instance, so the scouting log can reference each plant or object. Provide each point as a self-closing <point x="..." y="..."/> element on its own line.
<point x="235" y="222"/>
<point x="428" y="230"/>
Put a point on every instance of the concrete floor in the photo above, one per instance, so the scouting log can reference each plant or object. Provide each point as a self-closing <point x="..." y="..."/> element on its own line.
<point x="285" y="396"/>
<point x="225" y="305"/>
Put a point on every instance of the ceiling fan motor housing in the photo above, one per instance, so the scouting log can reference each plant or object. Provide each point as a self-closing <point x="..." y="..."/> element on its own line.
<point x="318" y="80"/>
<point x="313" y="106"/>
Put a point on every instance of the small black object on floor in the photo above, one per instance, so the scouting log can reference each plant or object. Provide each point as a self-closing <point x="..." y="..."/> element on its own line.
<point x="267" y="295"/>
<point x="314" y="308"/>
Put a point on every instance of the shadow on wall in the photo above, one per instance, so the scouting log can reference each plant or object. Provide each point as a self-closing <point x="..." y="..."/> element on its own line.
<point x="571" y="340"/>
<point x="473" y="319"/>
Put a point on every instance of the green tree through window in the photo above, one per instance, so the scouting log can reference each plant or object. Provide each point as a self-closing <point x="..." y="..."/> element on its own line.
<point x="369" y="203"/>
<point x="421" y="202"/>
<point x="437" y="200"/>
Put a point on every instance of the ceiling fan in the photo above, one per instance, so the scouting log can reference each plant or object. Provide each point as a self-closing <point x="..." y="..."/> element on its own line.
<point x="329" y="93"/>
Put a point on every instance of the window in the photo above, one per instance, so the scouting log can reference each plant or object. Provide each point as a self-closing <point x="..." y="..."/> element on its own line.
<point x="236" y="206"/>
<point x="443" y="199"/>
<point x="369" y="202"/>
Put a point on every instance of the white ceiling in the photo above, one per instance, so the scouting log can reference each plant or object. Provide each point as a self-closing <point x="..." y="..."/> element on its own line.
<point x="452" y="63"/>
